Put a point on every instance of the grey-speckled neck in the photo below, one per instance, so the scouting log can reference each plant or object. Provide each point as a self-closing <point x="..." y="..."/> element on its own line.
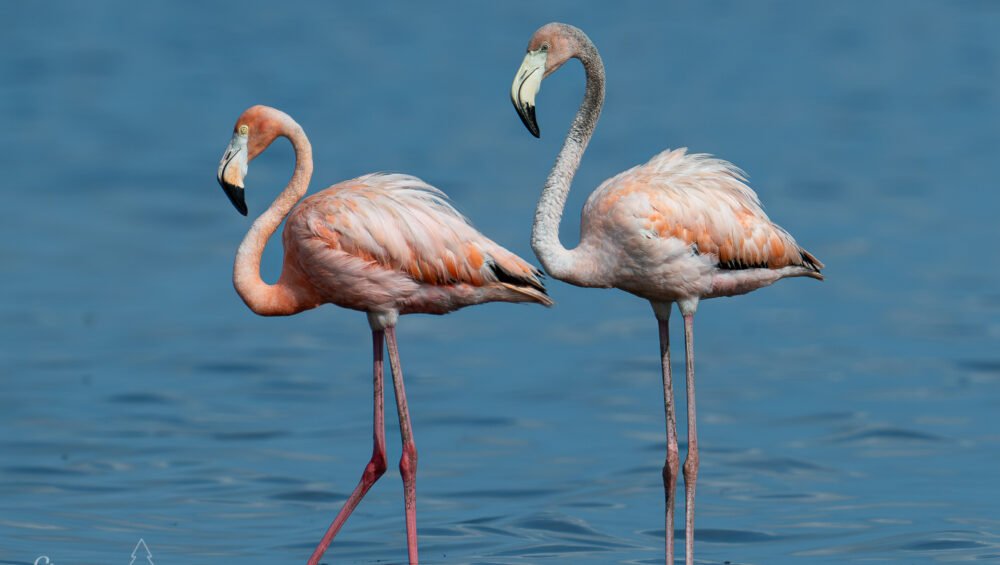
<point x="556" y="259"/>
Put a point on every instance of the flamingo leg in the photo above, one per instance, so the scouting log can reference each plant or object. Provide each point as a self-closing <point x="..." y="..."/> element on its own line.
<point x="375" y="468"/>
<point x="670" y="466"/>
<point x="408" y="461"/>
<point x="691" y="463"/>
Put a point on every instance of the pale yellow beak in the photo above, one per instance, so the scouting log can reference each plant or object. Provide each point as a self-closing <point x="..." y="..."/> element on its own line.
<point x="233" y="169"/>
<point x="527" y="81"/>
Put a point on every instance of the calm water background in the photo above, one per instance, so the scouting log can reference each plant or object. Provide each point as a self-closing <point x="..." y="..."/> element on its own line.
<point x="854" y="420"/>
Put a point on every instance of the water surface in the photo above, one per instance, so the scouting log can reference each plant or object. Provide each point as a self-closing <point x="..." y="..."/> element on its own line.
<point x="849" y="421"/>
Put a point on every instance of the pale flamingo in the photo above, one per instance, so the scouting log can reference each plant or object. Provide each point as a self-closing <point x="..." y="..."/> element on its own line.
<point x="385" y="244"/>
<point x="679" y="228"/>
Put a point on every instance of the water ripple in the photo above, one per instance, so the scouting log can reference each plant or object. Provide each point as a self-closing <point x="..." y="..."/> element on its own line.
<point x="309" y="496"/>
<point x="780" y="465"/>
<point x="955" y="541"/>
<point x="249" y="435"/>
<point x="142" y="398"/>
<point x="885" y="435"/>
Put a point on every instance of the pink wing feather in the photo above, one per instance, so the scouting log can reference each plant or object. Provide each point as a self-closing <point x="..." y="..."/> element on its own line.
<point x="381" y="237"/>
<point x="705" y="201"/>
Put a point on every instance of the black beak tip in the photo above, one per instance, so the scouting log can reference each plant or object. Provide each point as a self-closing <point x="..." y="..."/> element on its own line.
<point x="236" y="195"/>
<point x="527" y="113"/>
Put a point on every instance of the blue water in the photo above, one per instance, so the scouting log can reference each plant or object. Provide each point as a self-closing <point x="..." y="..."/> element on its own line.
<point x="849" y="421"/>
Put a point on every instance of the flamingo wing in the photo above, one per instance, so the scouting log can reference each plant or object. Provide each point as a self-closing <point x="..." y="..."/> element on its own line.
<point x="706" y="203"/>
<point x="402" y="226"/>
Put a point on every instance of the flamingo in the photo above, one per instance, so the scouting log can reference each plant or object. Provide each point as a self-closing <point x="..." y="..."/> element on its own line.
<point x="385" y="244"/>
<point x="679" y="228"/>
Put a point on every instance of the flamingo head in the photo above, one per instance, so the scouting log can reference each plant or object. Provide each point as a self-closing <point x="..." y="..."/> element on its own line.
<point x="254" y="131"/>
<point x="551" y="46"/>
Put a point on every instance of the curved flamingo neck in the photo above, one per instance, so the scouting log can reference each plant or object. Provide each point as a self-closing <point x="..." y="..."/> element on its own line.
<point x="289" y="295"/>
<point x="559" y="262"/>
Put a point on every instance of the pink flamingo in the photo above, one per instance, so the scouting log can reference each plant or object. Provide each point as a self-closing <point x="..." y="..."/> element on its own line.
<point x="385" y="244"/>
<point x="679" y="228"/>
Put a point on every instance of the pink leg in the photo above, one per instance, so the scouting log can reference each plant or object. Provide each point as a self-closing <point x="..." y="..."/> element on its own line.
<point x="672" y="463"/>
<point x="691" y="463"/>
<point x="408" y="462"/>
<point x="375" y="468"/>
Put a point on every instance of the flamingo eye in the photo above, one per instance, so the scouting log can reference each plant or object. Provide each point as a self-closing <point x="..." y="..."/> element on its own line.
<point x="544" y="48"/>
<point x="244" y="129"/>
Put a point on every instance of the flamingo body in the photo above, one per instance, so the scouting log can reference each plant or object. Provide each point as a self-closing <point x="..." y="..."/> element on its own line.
<point x="384" y="242"/>
<point x="684" y="225"/>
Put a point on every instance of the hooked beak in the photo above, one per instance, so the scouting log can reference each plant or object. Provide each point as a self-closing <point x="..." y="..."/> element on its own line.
<point x="232" y="169"/>
<point x="527" y="81"/>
